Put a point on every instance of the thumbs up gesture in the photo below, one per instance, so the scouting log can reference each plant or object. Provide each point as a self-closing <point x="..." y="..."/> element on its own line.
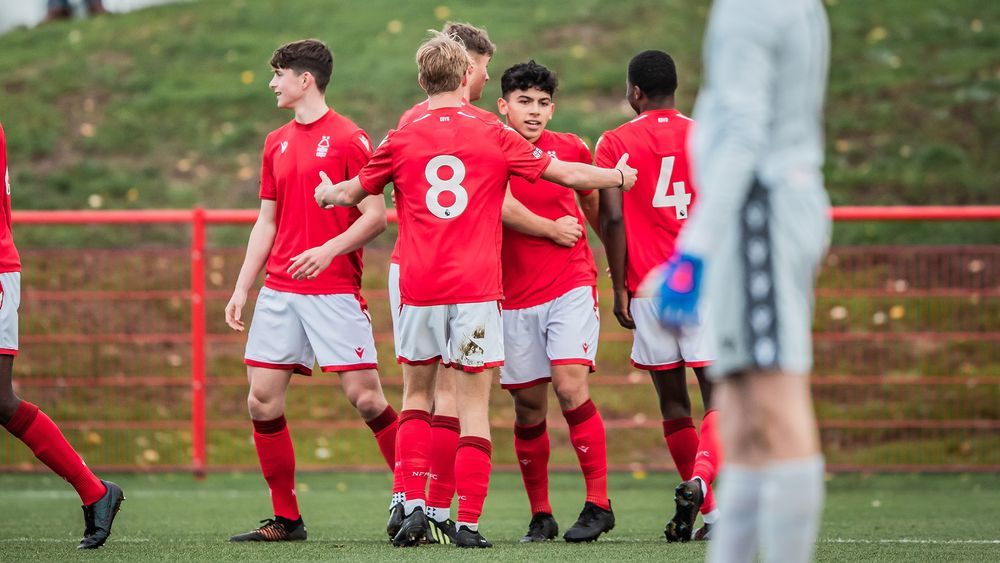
<point x="629" y="174"/>
<point x="323" y="190"/>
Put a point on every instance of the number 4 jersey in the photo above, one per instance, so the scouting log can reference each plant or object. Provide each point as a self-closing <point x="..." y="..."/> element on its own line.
<point x="450" y="170"/>
<point x="657" y="206"/>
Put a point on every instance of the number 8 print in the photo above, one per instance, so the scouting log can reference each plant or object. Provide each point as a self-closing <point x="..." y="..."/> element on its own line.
<point x="439" y="186"/>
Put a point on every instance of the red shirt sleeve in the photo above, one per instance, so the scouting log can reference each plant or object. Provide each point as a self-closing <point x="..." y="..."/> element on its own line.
<point x="378" y="171"/>
<point x="358" y="153"/>
<point x="606" y="156"/>
<point x="585" y="156"/>
<point x="523" y="158"/>
<point x="268" y="187"/>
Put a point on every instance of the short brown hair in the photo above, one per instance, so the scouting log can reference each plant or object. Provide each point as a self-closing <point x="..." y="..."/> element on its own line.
<point x="476" y="40"/>
<point x="441" y="62"/>
<point x="306" y="55"/>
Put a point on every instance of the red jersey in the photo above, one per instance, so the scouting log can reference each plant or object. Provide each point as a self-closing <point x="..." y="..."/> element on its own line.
<point x="10" y="261"/>
<point x="659" y="203"/>
<point x="450" y="170"/>
<point x="415" y="112"/>
<point x="535" y="269"/>
<point x="294" y="155"/>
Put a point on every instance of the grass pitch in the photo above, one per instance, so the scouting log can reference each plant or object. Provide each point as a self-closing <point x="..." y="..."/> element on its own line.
<point x="172" y="517"/>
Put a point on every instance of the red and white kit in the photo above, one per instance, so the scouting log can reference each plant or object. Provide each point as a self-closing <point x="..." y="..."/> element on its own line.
<point x="550" y="301"/>
<point x="450" y="169"/>
<point x="394" y="301"/>
<point x="10" y="264"/>
<point x="297" y="322"/>
<point x="654" y="211"/>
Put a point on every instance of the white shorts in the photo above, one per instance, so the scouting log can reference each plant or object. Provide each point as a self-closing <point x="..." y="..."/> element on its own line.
<point x="558" y="332"/>
<point x="466" y="336"/>
<point x="10" y="300"/>
<point x="293" y="331"/>
<point x="655" y="348"/>
<point x="394" y="300"/>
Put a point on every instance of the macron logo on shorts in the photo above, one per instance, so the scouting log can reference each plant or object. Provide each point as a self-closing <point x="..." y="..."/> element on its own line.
<point x="585" y="347"/>
<point x="360" y="351"/>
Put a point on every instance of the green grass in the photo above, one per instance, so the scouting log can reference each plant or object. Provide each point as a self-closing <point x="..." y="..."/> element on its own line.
<point x="168" y="107"/>
<point x="174" y="518"/>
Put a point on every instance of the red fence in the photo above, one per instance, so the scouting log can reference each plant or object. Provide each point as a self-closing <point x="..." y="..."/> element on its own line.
<point x="125" y="347"/>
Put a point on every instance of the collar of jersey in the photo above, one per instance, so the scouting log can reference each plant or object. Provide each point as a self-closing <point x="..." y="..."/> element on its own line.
<point x="308" y="126"/>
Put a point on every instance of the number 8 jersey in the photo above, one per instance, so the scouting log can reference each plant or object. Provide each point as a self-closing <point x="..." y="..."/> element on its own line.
<point x="658" y="205"/>
<point x="450" y="170"/>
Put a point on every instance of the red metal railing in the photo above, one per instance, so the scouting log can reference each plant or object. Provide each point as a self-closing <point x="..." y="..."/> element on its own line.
<point x="866" y="348"/>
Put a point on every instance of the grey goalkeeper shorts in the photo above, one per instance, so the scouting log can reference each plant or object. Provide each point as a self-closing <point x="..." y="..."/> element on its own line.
<point x="759" y="282"/>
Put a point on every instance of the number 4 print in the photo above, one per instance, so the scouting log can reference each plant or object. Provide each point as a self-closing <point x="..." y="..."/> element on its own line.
<point x="680" y="200"/>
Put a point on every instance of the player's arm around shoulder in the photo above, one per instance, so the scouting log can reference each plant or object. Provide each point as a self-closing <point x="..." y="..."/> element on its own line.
<point x="258" y="250"/>
<point x="580" y="176"/>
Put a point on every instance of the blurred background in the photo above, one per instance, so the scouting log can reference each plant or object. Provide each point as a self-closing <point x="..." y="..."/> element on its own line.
<point x="167" y="107"/>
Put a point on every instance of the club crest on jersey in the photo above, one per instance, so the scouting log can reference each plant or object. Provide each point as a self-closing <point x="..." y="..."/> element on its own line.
<point x="537" y="153"/>
<point x="284" y="146"/>
<point x="323" y="146"/>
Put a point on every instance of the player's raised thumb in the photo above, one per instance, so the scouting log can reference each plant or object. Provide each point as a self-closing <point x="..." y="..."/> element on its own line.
<point x="623" y="161"/>
<point x="324" y="178"/>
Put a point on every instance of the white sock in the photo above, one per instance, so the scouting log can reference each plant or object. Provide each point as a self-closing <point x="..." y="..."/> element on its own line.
<point x="791" y="503"/>
<point x="438" y="514"/>
<point x="471" y="527"/>
<point x="712" y="517"/>
<point x="410" y="505"/>
<point x="397" y="498"/>
<point x="735" y="540"/>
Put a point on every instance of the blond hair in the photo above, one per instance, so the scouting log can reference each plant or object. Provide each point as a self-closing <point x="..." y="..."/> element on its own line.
<point x="441" y="62"/>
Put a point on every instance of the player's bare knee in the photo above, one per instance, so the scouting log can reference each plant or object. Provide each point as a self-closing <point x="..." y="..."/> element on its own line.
<point x="369" y="403"/>
<point x="528" y="413"/>
<point x="263" y="406"/>
<point x="672" y="407"/>
<point x="571" y="392"/>
<point x="9" y="402"/>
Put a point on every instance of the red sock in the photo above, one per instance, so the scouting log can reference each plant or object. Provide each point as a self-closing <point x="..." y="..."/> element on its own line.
<point x="709" y="458"/>
<point x="472" y="463"/>
<point x="384" y="426"/>
<point x="444" y="433"/>
<point x="277" y="462"/>
<point x="531" y="444"/>
<point x="682" y="441"/>
<point x="39" y="433"/>
<point x="398" y="485"/>
<point x="586" y="433"/>
<point x="415" y="452"/>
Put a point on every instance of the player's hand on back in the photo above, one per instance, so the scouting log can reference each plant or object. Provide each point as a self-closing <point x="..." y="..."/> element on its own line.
<point x="311" y="263"/>
<point x="629" y="174"/>
<point x="234" y="310"/>
<point x="566" y="230"/>
<point x="622" y="300"/>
